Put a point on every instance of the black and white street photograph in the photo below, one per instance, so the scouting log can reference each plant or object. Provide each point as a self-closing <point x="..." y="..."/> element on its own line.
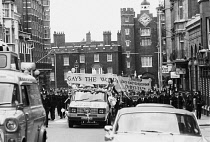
<point x="104" y="70"/>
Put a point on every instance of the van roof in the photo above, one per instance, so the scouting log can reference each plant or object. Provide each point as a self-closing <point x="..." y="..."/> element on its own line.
<point x="10" y="76"/>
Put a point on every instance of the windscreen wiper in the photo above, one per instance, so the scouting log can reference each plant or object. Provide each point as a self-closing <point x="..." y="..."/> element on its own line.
<point x="6" y="103"/>
<point x="96" y="100"/>
<point x="82" y="99"/>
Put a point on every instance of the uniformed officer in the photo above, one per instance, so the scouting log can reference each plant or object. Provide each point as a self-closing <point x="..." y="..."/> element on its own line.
<point x="152" y="98"/>
<point x="46" y="104"/>
<point x="164" y="98"/>
<point x="189" y="102"/>
<point x="53" y="103"/>
<point x="199" y="104"/>
<point x="177" y="100"/>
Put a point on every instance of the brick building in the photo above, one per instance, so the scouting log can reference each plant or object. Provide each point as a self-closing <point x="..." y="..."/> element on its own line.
<point x="139" y="42"/>
<point x="86" y="57"/>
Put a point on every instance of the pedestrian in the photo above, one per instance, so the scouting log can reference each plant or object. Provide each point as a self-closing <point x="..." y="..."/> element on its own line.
<point x="199" y="103"/>
<point x="152" y="98"/>
<point x="53" y="103"/>
<point x="142" y="99"/>
<point x="189" y="102"/>
<point x="177" y="100"/>
<point x="164" y="98"/>
<point x="46" y="105"/>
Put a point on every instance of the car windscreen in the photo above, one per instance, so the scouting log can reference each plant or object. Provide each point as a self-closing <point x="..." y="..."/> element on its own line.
<point x="157" y="123"/>
<point x="9" y="94"/>
<point x="89" y="96"/>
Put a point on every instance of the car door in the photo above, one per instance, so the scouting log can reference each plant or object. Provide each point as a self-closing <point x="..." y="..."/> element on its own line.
<point x="27" y="112"/>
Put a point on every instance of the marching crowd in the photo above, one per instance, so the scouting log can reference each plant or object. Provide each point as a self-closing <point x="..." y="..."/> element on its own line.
<point x="190" y="101"/>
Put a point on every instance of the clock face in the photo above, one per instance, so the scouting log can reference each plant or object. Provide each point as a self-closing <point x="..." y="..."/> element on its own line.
<point x="144" y="19"/>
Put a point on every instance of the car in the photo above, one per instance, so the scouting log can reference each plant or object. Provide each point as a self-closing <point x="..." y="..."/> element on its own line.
<point x="154" y="105"/>
<point x="22" y="114"/>
<point x="154" y="124"/>
<point x="89" y="107"/>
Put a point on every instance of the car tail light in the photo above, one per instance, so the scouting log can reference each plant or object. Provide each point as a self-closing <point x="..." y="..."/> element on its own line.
<point x="11" y="125"/>
<point x="101" y="111"/>
<point x="73" y="110"/>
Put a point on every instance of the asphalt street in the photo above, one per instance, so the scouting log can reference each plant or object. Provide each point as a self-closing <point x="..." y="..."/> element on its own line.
<point x="58" y="131"/>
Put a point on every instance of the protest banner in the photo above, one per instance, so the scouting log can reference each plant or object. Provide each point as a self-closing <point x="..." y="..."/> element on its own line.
<point x="121" y="83"/>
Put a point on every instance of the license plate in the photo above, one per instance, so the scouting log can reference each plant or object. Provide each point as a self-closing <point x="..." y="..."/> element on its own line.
<point x="87" y="118"/>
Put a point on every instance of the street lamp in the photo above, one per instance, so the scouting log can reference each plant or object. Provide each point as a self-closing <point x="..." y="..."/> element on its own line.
<point x="170" y="82"/>
<point x="196" y="73"/>
<point x="190" y="74"/>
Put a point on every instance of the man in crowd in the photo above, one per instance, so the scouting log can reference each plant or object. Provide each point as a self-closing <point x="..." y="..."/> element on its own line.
<point x="46" y="104"/>
<point x="177" y="100"/>
<point x="199" y="103"/>
<point x="142" y="99"/>
<point x="53" y="103"/>
<point x="164" y="98"/>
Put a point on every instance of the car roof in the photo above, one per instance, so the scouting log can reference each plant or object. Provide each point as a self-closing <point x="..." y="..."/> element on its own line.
<point x="153" y="109"/>
<point x="154" y="105"/>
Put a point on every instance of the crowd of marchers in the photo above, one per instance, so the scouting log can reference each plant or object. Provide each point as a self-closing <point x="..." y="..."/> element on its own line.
<point x="51" y="100"/>
<point x="57" y="100"/>
<point x="191" y="101"/>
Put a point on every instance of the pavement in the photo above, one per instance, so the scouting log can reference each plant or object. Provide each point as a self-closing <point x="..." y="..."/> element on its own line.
<point x="204" y="121"/>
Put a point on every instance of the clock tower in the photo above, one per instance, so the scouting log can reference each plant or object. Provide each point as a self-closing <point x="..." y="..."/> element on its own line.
<point x="145" y="5"/>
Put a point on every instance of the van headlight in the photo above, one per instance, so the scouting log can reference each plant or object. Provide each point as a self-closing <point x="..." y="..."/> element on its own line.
<point x="73" y="110"/>
<point x="101" y="111"/>
<point x="11" y="125"/>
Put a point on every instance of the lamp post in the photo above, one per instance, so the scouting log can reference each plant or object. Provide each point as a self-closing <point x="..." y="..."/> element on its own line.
<point x="190" y="74"/>
<point x="196" y="74"/>
<point x="170" y="82"/>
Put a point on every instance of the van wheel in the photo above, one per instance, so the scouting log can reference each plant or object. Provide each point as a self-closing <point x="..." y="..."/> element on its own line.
<point x="70" y="124"/>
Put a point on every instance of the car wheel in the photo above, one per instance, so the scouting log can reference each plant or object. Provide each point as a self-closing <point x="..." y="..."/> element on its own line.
<point x="70" y="124"/>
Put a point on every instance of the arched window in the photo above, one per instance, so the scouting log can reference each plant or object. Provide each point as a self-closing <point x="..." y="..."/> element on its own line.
<point x="195" y="51"/>
<point x="191" y="55"/>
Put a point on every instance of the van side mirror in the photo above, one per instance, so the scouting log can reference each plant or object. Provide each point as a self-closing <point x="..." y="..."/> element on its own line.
<point x="19" y="106"/>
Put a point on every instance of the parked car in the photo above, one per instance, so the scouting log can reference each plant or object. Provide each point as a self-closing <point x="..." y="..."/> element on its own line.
<point x="154" y="105"/>
<point x="154" y="124"/>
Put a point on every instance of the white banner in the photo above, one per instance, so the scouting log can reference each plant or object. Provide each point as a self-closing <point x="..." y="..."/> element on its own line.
<point x="121" y="83"/>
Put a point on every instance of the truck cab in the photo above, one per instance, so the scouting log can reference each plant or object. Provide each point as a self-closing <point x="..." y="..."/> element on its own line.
<point x="22" y="114"/>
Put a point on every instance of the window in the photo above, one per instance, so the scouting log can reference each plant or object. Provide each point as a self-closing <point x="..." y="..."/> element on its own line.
<point x="25" y="99"/>
<point x="180" y="10"/>
<point x="34" y="95"/>
<point x="82" y="70"/>
<point x="127" y="31"/>
<point x="52" y="76"/>
<point x="96" y="57"/>
<point x="128" y="54"/>
<point x="65" y="74"/>
<point x="146" y="61"/>
<point x="146" y="42"/>
<point x="181" y="40"/>
<point x="6" y="10"/>
<point x="145" y="32"/>
<point x="66" y="61"/>
<point x="53" y="61"/>
<point x="7" y="35"/>
<point x="208" y="29"/>
<point x="128" y="64"/>
<point x="3" y="59"/>
<point x="82" y="58"/>
<point x="109" y="57"/>
<point x="126" y="19"/>
<point x="127" y="43"/>
<point x="109" y="70"/>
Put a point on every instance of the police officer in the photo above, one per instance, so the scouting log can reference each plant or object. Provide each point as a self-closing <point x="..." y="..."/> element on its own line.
<point x="142" y="99"/>
<point x="53" y="103"/>
<point x="164" y="98"/>
<point x="199" y="104"/>
<point x="189" y="102"/>
<point x="46" y="104"/>
<point x="152" y="98"/>
<point x="177" y="100"/>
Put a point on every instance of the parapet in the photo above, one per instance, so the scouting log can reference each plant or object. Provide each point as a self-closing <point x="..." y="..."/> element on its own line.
<point x="127" y="11"/>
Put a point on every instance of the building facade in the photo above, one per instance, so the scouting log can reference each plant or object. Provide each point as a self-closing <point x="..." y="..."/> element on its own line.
<point x="98" y="57"/>
<point x="34" y="39"/>
<point x="139" y="42"/>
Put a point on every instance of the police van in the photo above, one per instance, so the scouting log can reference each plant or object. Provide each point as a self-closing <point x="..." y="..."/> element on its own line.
<point x="22" y="114"/>
<point x="88" y="106"/>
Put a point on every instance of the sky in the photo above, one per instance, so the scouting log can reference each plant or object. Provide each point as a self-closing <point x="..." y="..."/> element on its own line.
<point x="75" y="18"/>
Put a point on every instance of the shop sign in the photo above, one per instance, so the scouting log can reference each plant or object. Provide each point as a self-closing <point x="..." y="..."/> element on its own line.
<point x="174" y="75"/>
<point x="180" y="71"/>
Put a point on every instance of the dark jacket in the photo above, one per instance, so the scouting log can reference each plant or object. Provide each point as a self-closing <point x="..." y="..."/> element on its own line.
<point x="46" y="102"/>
